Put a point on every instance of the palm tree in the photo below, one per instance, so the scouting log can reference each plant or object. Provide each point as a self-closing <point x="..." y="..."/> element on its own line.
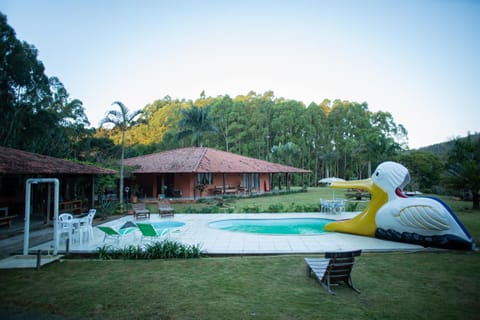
<point x="123" y="119"/>
<point x="196" y="122"/>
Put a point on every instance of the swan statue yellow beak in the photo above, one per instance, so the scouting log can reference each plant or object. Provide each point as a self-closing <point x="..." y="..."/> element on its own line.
<point x="364" y="223"/>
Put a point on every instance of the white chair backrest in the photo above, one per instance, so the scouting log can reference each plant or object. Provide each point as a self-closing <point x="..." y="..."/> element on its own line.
<point x="90" y="216"/>
<point x="65" y="217"/>
<point x="64" y="221"/>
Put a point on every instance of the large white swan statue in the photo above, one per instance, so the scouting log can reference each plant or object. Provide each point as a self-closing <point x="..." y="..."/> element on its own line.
<point x="391" y="215"/>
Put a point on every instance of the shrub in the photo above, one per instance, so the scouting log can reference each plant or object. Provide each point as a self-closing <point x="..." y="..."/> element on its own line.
<point x="251" y="209"/>
<point x="275" y="207"/>
<point x="312" y="207"/>
<point x="108" y="209"/>
<point x="166" y="249"/>
<point x="189" y="209"/>
<point x="351" y="206"/>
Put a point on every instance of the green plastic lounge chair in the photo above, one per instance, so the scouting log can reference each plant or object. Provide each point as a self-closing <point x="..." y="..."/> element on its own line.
<point x="148" y="231"/>
<point x="114" y="234"/>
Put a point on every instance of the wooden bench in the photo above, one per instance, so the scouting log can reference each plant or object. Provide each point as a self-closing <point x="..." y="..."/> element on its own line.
<point x="7" y="220"/>
<point x="228" y="190"/>
<point x="73" y="207"/>
<point x="139" y="211"/>
<point x="231" y="191"/>
<point x="334" y="269"/>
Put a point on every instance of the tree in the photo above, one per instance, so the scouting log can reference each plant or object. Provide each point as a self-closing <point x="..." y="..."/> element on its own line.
<point x="316" y="138"/>
<point x="285" y="153"/>
<point x="72" y="119"/>
<point x="195" y="122"/>
<point x="37" y="114"/>
<point x="336" y="138"/>
<point x="239" y="113"/>
<point x="222" y="108"/>
<point x="463" y="167"/>
<point x="24" y="89"/>
<point x="122" y="119"/>
<point x="98" y="149"/>
<point x="425" y="170"/>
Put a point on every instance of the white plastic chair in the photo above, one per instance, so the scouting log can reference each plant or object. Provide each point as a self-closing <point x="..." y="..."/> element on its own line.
<point x="339" y="206"/>
<point x="326" y="206"/>
<point x="85" y="227"/>
<point x="65" y="226"/>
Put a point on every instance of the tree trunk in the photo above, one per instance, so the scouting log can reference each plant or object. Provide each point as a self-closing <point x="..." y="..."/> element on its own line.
<point x="122" y="164"/>
<point x="475" y="200"/>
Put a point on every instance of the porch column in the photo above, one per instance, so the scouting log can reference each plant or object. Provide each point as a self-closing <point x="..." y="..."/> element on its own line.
<point x="163" y="183"/>
<point x="155" y="186"/>
<point x="49" y="199"/>
<point x="194" y="185"/>
<point x="92" y="201"/>
<point x="224" y="184"/>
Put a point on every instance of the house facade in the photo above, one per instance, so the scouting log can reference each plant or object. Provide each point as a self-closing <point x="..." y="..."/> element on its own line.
<point x="77" y="182"/>
<point x="192" y="173"/>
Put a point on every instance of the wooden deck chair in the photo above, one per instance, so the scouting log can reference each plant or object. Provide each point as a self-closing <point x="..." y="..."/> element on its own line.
<point x="165" y="209"/>
<point x="114" y="234"/>
<point x="140" y="211"/>
<point x="334" y="269"/>
<point x="148" y="231"/>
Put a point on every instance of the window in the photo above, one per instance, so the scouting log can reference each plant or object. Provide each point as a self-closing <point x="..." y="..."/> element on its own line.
<point x="255" y="181"/>
<point x="251" y="181"/>
<point x="204" y="178"/>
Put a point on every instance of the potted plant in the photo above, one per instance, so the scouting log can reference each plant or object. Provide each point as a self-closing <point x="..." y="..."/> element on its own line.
<point x="134" y="196"/>
<point x="201" y="188"/>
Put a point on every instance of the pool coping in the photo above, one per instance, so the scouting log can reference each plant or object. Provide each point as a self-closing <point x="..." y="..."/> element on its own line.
<point x="220" y="242"/>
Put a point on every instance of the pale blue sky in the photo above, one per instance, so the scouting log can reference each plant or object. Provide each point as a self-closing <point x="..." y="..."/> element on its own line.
<point x="417" y="59"/>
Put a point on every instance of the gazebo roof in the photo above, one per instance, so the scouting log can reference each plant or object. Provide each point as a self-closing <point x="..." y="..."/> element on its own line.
<point x="14" y="161"/>
<point x="203" y="160"/>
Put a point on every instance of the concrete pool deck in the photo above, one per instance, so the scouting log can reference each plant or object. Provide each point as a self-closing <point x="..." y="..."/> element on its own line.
<point x="219" y="242"/>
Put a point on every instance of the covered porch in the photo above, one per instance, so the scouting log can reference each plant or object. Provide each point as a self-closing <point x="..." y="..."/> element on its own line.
<point x="194" y="173"/>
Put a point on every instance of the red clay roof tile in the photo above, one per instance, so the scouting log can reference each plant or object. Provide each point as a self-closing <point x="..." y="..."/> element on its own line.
<point x="14" y="161"/>
<point x="204" y="160"/>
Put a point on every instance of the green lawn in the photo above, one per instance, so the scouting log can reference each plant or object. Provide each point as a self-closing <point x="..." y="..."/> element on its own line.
<point x="310" y="199"/>
<point x="421" y="285"/>
<point x="393" y="286"/>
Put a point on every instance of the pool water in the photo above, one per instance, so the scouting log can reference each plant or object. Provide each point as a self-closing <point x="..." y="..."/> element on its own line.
<point x="304" y="226"/>
<point x="167" y="224"/>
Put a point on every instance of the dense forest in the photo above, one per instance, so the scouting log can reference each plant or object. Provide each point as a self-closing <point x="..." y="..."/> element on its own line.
<point x="338" y="138"/>
<point x="331" y="138"/>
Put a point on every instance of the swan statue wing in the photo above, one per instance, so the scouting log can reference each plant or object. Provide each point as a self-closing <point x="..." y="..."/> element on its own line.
<point x="424" y="217"/>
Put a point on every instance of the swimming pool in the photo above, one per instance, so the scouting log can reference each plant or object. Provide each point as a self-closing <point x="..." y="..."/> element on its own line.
<point x="168" y="224"/>
<point x="281" y="226"/>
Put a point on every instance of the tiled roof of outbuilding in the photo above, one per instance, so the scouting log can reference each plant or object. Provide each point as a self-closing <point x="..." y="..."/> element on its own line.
<point x="204" y="160"/>
<point x="14" y="161"/>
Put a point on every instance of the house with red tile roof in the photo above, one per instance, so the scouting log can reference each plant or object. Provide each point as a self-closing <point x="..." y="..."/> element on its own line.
<point x="195" y="172"/>
<point x="77" y="181"/>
